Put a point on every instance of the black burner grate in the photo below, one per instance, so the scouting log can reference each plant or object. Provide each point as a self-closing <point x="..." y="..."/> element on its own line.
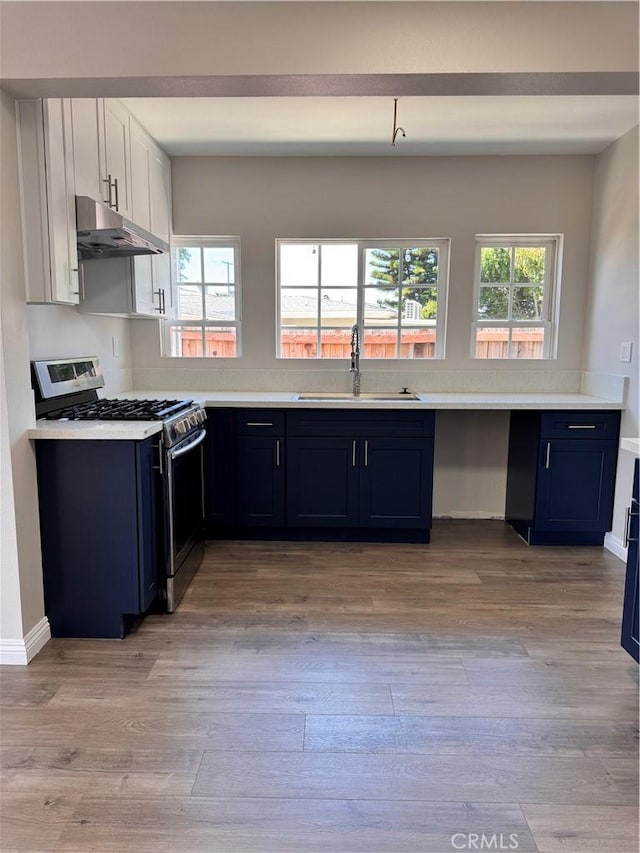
<point x="120" y="410"/>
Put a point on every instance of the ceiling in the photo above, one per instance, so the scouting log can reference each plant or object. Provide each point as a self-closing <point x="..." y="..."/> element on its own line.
<point x="362" y="126"/>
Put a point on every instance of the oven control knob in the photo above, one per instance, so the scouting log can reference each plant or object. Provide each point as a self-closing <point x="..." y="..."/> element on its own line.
<point x="193" y="420"/>
<point x="181" y="427"/>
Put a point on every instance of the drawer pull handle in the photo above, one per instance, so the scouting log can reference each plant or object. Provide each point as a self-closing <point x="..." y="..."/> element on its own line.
<point x="259" y="423"/>
<point x="548" y="457"/>
<point x="582" y="426"/>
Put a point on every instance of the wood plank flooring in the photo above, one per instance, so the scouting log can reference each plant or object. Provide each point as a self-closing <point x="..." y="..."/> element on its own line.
<point x="340" y="698"/>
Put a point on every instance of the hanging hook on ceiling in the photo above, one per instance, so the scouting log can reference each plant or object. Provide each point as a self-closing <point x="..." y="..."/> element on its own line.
<point x="396" y="129"/>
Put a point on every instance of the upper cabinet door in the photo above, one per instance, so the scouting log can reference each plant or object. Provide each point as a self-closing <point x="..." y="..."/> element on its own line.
<point x="88" y="143"/>
<point x="160" y="194"/>
<point x="141" y="156"/>
<point x="117" y="162"/>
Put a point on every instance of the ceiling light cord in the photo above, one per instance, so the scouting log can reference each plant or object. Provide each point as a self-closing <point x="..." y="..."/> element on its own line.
<point x="396" y="129"/>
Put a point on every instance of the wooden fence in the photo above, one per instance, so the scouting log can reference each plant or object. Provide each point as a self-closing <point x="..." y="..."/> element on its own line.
<point x="418" y="343"/>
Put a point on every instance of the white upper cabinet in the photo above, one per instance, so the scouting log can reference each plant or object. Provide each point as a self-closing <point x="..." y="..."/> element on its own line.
<point x="47" y="196"/>
<point x="141" y="156"/>
<point x="116" y="152"/>
<point x="101" y="152"/>
<point x="88" y="143"/>
<point x="160" y="194"/>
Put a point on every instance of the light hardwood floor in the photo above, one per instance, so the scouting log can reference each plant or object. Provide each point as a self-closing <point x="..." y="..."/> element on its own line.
<point x="340" y="698"/>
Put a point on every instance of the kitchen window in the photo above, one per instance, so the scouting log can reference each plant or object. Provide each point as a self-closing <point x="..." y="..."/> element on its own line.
<point x="206" y="282"/>
<point x="395" y="290"/>
<point x="517" y="283"/>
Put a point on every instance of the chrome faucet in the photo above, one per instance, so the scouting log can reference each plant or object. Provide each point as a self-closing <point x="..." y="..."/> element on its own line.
<point x="355" y="359"/>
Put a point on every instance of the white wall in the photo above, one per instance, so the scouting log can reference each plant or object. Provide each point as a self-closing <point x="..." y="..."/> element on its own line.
<point x="22" y="596"/>
<point x="612" y="315"/>
<point x="60" y="40"/>
<point x="261" y="199"/>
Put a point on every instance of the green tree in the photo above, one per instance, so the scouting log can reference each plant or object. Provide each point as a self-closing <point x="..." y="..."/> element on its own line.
<point x="184" y="257"/>
<point x="419" y="277"/>
<point x="522" y="269"/>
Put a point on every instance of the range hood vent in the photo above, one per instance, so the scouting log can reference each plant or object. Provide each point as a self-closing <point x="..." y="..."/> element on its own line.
<point x="105" y="233"/>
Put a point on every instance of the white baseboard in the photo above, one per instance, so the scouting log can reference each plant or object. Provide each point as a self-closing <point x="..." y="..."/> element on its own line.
<point x="471" y="514"/>
<point x="616" y="546"/>
<point x="20" y="652"/>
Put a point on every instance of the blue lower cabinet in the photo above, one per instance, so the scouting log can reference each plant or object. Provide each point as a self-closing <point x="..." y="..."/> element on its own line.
<point x="630" y="631"/>
<point x="395" y="482"/>
<point x="260" y="481"/>
<point x="322" y="482"/>
<point x="561" y="476"/>
<point x="101" y="532"/>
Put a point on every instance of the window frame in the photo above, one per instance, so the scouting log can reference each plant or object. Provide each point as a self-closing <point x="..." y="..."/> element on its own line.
<point x="553" y="243"/>
<point x="204" y="242"/>
<point x="443" y="244"/>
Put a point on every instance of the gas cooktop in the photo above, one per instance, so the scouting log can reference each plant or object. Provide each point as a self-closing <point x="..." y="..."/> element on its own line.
<point x="120" y="410"/>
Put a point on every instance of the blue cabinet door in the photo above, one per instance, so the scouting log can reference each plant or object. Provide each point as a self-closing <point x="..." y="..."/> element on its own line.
<point x="149" y="544"/>
<point x="260" y="481"/>
<point x="630" y="631"/>
<point x="575" y="485"/>
<point x="396" y="482"/>
<point x="322" y="481"/>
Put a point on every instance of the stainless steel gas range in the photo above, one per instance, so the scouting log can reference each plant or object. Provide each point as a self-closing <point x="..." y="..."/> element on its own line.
<point x="66" y="390"/>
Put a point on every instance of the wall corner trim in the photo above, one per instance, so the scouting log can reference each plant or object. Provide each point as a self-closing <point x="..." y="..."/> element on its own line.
<point x="616" y="546"/>
<point x="20" y="652"/>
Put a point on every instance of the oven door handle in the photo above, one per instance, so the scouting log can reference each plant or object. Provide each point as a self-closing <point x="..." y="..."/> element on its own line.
<point x="180" y="451"/>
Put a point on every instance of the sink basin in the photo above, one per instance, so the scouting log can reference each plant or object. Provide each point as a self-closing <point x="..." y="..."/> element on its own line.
<point x="372" y="396"/>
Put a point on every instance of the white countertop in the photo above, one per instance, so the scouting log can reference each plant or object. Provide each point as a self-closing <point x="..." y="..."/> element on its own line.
<point x="630" y="444"/>
<point x="137" y="430"/>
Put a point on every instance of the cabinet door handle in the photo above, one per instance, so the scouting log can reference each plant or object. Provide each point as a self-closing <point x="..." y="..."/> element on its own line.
<point x="158" y="293"/>
<point x="627" y="526"/>
<point x="107" y="181"/>
<point x="164" y="307"/>
<point x="115" y="183"/>
<point x="159" y="467"/>
<point x="277" y="452"/>
<point x="581" y="426"/>
<point x="366" y="453"/>
<point x="259" y="423"/>
<point x="353" y="453"/>
<point x="547" y="460"/>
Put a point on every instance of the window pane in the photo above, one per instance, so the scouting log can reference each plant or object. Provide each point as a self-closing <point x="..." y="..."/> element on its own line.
<point x="298" y="264"/>
<point x="298" y="306"/>
<point x="420" y="267"/>
<point x="495" y="264"/>
<point x="492" y="343"/>
<point x="418" y="343"/>
<point x="220" y="343"/>
<point x="527" y="303"/>
<point x="529" y="264"/>
<point x="188" y="264"/>
<point x="298" y="343"/>
<point x="189" y="302"/>
<point x="219" y="264"/>
<point x="220" y="303"/>
<point x="186" y="341"/>
<point x="493" y="303"/>
<point x="380" y="343"/>
<point x="381" y="268"/>
<point x="419" y="304"/>
<point x="380" y="305"/>
<point x="527" y="343"/>
<point x="339" y="264"/>
<point x="338" y="306"/>
<point x="335" y="343"/>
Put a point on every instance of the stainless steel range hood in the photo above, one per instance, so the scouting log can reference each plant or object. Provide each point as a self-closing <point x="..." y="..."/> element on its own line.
<point x="105" y="233"/>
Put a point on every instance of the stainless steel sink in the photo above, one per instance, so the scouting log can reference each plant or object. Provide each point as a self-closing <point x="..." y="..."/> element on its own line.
<point x="364" y="397"/>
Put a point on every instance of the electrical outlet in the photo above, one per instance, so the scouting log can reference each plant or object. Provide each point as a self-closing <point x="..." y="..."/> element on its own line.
<point x="115" y="346"/>
<point x="625" y="350"/>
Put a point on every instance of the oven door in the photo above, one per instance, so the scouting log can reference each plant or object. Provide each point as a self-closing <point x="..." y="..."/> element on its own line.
<point x="185" y="514"/>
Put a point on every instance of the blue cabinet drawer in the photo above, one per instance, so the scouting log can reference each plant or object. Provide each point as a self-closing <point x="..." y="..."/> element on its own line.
<point x="375" y="423"/>
<point x="260" y="422"/>
<point x="580" y="425"/>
